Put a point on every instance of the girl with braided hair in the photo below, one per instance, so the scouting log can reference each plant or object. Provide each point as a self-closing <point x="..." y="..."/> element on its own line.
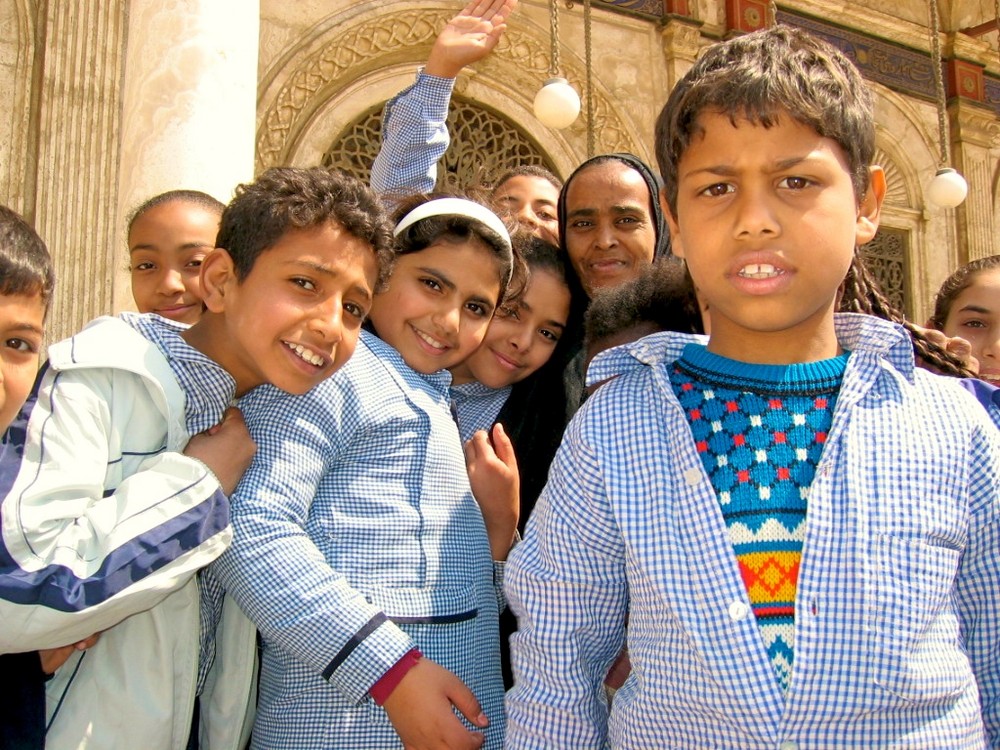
<point x="862" y="294"/>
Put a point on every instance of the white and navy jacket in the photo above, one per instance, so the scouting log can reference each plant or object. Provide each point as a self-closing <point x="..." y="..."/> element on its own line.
<point x="104" y="525"/>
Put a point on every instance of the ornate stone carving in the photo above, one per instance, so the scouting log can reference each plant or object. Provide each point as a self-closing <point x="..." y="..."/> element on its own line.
<point x="518" y="65"/>
<point x="886" y="257"/>
<point x="896" y="193"/>
<point x="483" y="147"/>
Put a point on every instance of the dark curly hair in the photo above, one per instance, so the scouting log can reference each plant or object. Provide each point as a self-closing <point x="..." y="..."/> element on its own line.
<point x="284" y="198"/>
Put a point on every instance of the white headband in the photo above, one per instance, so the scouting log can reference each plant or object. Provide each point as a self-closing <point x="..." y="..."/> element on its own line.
<point x="455" y="207"/>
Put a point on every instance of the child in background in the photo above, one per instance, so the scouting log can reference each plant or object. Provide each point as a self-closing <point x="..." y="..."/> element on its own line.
<point x="360" y="552"/>
<point x="661" y="298"/>
<point x="168" y="238"/>
<point x="803" y="527"/>
<point x="968" y="306"/>
<point x="116" y="471"/>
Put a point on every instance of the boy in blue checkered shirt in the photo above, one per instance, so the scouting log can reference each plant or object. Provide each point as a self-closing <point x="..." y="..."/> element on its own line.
<point x="116" y="473"/>
<point x="803" y="528"/>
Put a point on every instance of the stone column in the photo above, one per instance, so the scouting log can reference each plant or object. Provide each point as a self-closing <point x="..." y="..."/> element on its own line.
<point x="975" y="135"/>
<point x="71" y="186"/>
<point x="189" y="104"/>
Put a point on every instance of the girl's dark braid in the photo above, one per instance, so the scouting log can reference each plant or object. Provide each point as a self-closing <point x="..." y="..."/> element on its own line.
<point x="863" y="295"/>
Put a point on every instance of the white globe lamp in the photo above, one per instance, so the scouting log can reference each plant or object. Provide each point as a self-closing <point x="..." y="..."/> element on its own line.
<point x="948" y="188"/>
<point x="557" y="105"/>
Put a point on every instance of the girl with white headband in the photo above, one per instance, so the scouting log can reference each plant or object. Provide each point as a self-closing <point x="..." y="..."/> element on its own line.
<point x="388" y="632"/>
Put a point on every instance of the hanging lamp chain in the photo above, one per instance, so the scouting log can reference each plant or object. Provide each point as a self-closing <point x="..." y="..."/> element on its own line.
<point x="942" y="103"/>
<point x="554" y="28"/>
<point x="589" y="62"/>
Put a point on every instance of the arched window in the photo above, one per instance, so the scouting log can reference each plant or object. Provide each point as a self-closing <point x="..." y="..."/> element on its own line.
<point x="484" y="145"/>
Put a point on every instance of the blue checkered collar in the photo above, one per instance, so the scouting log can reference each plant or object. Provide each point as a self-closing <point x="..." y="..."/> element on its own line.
<point x="208" y="388"/>
<point x="440" y="381"/>
<point x="874" y="337"/>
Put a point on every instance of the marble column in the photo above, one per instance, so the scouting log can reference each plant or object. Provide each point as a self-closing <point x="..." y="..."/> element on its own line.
<point x="189" y="104"/>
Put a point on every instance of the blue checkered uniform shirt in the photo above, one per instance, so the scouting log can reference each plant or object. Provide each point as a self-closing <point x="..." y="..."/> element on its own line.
<point x="356" y="539"/>
<point x="477" y="406"/>
<point x="896" y="633"/>
<point x="414" y="137"/>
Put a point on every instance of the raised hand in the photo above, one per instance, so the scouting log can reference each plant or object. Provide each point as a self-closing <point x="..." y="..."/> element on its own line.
<point x="496" y="485"/>
<point x="469" y="37"/>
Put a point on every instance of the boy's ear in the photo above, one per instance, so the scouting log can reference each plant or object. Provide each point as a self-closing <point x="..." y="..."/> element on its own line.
<point x="218" y="275"/>
<point x="870" y="208"/>
<point x="676" y="247"/>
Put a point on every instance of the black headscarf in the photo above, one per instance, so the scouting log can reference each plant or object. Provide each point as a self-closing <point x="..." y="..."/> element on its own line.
<point x="654" y="184"/>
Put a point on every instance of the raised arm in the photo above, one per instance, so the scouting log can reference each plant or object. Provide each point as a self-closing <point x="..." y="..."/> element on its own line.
<point x="414" y="125"/>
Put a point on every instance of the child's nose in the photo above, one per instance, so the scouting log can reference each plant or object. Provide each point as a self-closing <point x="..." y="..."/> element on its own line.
<point x="755" y="217"/>
<point x="328" y="320"/>
<point x="448" y="319"/>
<point x="171" y="282"/>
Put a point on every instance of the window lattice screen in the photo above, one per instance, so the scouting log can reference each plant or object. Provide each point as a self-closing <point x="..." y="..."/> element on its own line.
<point x="885" y="256"/>
<point x="483" y="147"/>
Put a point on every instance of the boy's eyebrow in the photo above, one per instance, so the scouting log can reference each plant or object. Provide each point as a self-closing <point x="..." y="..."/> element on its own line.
<point x="326" y="270"/>
<point x="24" y="326"/>
<point x="728" y="171"/>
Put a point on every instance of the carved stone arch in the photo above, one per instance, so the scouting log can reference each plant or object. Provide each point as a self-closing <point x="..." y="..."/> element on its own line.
<point x="360" y="53"/>
<point x="484" y="146"/>
<point x="17" y="53"/>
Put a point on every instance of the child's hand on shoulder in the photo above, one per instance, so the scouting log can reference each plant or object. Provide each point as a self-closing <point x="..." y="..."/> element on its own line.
<point x="496" y="485"/>
<point x="420" y="709"/>
<point x="227" y="449"/>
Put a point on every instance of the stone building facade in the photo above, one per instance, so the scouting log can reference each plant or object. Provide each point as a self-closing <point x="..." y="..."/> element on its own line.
<point x="106" y="103"/>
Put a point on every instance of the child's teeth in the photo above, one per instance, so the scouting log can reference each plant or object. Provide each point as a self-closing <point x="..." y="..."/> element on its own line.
<point x="758" y="271"/>
<point x="305" y="354"/>
<point x="433" y="342"/>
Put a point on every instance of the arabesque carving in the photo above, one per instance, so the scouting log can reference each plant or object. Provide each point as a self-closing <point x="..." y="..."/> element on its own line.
<point x="518" y="66"/>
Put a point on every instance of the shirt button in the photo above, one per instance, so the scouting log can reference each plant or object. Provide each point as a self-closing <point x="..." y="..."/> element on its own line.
<point x="692" y="476"/>
<point x="738" y="611"/>
<point x="788" y="745"/>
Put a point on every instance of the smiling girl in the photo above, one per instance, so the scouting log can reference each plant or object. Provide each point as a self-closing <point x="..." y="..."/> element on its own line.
<point x="362" y="554"/>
